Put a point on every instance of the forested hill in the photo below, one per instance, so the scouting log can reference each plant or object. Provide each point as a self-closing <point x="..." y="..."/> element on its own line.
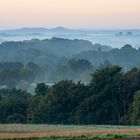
<point x="68" y="59"/>
<point x="57" y="51"/>
<point x="127" y="57"/>
<point x="58" y="46"/>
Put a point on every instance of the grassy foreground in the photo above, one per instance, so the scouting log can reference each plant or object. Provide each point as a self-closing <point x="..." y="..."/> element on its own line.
<point x="25" y="128"/>
<point x="98" y="137"/>
<point x="66" y="132"/>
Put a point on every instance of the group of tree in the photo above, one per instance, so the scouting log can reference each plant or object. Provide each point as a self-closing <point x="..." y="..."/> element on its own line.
<point x="19" y="75"/>
<point x="74" y="69"/>
<point x="57" y="52"/>
<point x="127" y="57"/>
<point x="111" y="97"/>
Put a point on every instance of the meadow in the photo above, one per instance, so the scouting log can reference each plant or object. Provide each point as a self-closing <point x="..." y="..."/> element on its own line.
<point x="45" y="132"/>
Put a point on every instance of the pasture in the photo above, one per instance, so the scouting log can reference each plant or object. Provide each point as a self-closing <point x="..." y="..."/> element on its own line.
<point x="66" y="131"/>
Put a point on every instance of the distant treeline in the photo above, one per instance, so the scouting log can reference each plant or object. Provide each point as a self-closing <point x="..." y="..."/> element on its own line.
<point x="18" y="75"/>
<point x="57" y="54"/>
<point x="111" y="97"/>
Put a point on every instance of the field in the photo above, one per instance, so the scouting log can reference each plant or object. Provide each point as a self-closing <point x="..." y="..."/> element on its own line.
<point x="67" y="131"/>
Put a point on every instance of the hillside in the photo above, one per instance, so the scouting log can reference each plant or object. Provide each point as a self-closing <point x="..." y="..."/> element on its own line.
<point x="127" y="57"/>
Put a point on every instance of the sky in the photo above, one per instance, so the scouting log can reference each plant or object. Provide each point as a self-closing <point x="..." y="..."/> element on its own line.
<point x="100" y="14"/>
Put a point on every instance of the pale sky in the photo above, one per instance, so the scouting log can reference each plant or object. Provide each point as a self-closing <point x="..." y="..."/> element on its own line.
<point x="70" y="13"/>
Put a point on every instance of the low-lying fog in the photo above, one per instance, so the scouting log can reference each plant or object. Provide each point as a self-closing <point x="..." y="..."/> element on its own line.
<point x="113" y="38"/>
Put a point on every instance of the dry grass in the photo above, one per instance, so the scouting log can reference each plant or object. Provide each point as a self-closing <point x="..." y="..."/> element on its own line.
<point x="28" y="131"/>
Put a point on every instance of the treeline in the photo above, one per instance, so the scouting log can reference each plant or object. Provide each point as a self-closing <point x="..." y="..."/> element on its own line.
<point x="111" y="97"/>
<point x="126" y="57"/>
<point x="74" y="69"/>
<point x="20" y="75"/>
<point x="57" y="53"/>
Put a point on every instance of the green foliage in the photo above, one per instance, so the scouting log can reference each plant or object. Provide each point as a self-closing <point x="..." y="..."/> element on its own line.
<point x="99" y="106"/>
<point x="107" y="99"/>
<point x="41" y="89"/>
<point x="13" y="106"/>
<point x="62" y="99"/>
<point x="135" y="114"/>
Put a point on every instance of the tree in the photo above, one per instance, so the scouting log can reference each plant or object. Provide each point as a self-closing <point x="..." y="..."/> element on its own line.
<point x="74" y="70"/>
<point x="130" y="84"/>
<point x="102" y="103"/>
<point x="36" y="111"/>
<point x="135" y="109"/>
<point x="62" y="100"/>
<point x="14" y="103"/>
<point x="36" y="71"/>
<point x="41" y="89"/>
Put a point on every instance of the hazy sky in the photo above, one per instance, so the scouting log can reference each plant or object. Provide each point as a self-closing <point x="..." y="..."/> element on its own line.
<point x="70" y="13"/>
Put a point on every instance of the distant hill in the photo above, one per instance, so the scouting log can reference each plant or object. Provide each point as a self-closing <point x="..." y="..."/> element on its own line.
<point x="50" y="52"/>
<point x="127" y="57"/>
<point x="56" y="53"/>
<point x="57" y="46"/>
<point x="60" y="29"/>
<point x="112" y="37"/>
<point x="35" y="30"/>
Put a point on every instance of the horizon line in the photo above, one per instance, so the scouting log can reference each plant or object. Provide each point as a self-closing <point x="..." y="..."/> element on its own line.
<point x="64" y="27"/>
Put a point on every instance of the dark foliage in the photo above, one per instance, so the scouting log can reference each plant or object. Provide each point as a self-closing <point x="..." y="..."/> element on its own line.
<point x="108" y="99"/>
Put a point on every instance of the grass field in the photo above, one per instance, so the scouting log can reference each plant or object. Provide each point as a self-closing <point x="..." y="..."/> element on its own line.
<point x="66" y="131"/>
<point x="24" y="128"/>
